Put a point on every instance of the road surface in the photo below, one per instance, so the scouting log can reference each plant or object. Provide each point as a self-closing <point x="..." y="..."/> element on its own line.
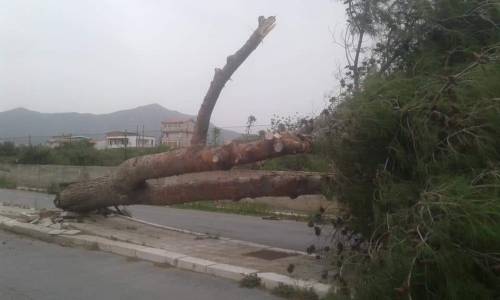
<point x="284" y="234"/>
<point x="32" y="269"/>
<point x="31" y="199"/>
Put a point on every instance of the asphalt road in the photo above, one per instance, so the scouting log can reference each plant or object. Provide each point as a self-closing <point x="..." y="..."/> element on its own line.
<point x="36" y="270"/>
<point x="283" y="233"/>
<point x="31" y="199"/>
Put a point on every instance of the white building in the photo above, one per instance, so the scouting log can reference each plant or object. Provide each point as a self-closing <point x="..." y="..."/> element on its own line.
<point x="122" y="139"/>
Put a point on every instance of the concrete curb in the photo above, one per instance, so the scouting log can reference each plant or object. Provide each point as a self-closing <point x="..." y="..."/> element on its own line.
<point x="245" y="243"/>
<point x="31" y="189"/>
<point x="155" y="255"/>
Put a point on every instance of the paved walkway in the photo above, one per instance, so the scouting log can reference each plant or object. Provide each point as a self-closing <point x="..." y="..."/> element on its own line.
<point x="211" y="248"/>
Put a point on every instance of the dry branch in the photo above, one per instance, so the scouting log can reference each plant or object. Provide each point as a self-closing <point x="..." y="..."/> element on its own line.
<point x="215" y="185"/>
<point x="221" y="76"/>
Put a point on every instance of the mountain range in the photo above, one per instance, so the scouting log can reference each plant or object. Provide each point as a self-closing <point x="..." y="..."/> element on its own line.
<point x="22" y="126"/>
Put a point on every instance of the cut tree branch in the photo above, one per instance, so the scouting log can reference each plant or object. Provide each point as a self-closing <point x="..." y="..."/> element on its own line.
<point x="215" y="185"/>
<point x="133" y="173"/>
<point x="136" y="181"/>
<point x="221" y="76"/>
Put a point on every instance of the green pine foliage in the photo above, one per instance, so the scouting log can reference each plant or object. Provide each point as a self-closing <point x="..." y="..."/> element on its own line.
<point x="417" y="155"/>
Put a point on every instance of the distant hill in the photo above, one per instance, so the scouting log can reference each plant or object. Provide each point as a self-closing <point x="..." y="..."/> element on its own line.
<point x="20" y="123"/>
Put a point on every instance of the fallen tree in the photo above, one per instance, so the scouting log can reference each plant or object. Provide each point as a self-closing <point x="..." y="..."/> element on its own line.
<point x="153" y="180"/>
<point x="214" y="185"/>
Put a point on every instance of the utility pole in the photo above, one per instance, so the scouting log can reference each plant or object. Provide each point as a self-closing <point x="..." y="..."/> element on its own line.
<point x="125" y="143"/>
<point x="137" y="136"/>
<point x="143" y="135"/>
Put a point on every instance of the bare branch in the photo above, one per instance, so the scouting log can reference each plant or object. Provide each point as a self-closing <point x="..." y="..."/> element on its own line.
<point x="221" y="76"/>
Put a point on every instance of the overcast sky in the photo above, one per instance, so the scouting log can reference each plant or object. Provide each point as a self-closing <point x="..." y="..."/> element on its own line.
<point x="99" y="56"/>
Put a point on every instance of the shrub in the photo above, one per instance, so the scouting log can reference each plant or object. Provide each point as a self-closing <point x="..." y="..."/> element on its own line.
<point x="250" y="281"/>
<point x="417" y="158"/>
<point x="294" y="293"/>
<point x="7" y="183"/>
<point x="426" y="189"/>
<point x="77" y="153"/>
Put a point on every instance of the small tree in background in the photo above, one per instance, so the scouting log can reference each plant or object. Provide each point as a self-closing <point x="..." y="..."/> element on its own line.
<point x="250" y="122"/>
<point x="8" y="149"/>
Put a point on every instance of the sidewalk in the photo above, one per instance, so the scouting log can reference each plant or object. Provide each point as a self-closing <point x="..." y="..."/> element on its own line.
<point x="198" y="252"/>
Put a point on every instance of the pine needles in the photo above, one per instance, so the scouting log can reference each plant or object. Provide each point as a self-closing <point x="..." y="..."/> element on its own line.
<point x="418" y="160"/>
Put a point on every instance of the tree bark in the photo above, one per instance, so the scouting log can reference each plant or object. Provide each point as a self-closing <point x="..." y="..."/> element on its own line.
<point x="221" y="76"/>
<point x="136" y="180"/>
<point x="214" y="185"/>
<point x="356" y="73"/>
<point x="133" y="172"/>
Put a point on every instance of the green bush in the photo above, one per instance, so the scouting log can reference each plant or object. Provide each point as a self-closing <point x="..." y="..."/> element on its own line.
<point x="299" y="162"/>
<point x="6" y="183"/>
<point x="236" y="207"/>
<point x="250" y="281"/>
<point x="78" y="154"/>
<point x="426" y="176"/>
<point x="36" y="155"/>
<point x="7" y="149"/>
<point x="294" y="293"/>
<point x="417" y="157"/>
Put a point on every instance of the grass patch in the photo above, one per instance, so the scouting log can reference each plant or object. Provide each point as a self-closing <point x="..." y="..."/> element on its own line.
<point x="92" y="247"/>
<point x="54" y="188"/>
<point x="244" y="208"/>
<point x="240" y="208"/>
<point x="294" y="293"/>
<point x="299" y="162"/>
<point x="78" y="154"/>
<point x="6" y="183"/>
<point x="250" y="281"/>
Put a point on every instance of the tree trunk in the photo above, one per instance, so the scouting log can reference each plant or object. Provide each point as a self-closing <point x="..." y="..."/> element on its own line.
<point x="136" y="180"/>
<point x="221" y="76"/>
<point x="215" y="185"/>
<point x="132" y="174"/>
